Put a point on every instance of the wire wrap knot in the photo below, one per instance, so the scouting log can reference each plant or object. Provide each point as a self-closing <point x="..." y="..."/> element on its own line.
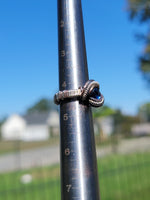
<point x="88" y="94"/>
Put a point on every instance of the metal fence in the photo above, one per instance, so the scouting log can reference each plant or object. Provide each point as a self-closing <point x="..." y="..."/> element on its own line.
<point x="122" y="175"/>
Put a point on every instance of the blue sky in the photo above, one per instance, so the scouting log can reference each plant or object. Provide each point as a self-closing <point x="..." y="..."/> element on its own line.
<point x="29" y="58"/>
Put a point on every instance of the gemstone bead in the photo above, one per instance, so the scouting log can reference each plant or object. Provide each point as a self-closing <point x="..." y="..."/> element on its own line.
<point x="95" y="93"/>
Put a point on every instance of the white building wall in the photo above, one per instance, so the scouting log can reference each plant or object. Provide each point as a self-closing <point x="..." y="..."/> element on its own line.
<point x="141" y="129"/>
<point x="16" y="128"/>
<point x="36" y="133"/>
<point x="13" y="128"/>
<point x="107" y="125"/>
<point x="53" y="119"/>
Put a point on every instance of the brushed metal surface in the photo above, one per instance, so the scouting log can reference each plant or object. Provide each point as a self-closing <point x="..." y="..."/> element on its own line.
<point x="79" y="179"/>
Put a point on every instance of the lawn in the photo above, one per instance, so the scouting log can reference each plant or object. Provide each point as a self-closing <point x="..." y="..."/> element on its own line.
<point x="122" y="177"/>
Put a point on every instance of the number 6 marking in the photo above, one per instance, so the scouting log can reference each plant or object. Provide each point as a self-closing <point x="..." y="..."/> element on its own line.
<point x="67" y="152"/>
<point x="62" y="53"/>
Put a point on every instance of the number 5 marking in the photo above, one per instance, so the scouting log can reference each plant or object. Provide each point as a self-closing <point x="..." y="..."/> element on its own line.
<point x="66" y="117"/>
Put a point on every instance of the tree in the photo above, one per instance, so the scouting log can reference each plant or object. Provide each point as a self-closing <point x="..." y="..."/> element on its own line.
<point x="0" y="129"/>
<point x="144" y="112"/>
<point x="1" y="123"/>
<point x="103" y="112"/>
<point x="140" y="10"/>
<point x="123" y="123"/>
<point x="43" y="105"/>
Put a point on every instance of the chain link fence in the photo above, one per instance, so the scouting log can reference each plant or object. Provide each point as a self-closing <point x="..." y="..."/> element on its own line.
<point x="123" y="175"/>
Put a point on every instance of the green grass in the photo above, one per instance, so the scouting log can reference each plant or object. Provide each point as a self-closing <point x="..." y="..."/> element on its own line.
<point x="125" y="177"/>
<point x="122" y="177"/>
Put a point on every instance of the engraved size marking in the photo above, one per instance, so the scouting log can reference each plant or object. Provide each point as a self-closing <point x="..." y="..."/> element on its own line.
<point x="66" y="117"/>
<point x="68" y="187"/>
<point x="67" y="152"/>
<point x="62" y="53"/>
<point x="64" y="84"/>
<point x="62" y="23"/>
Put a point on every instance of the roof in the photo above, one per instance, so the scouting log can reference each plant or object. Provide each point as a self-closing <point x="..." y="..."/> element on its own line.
<point x="36" y="118"/>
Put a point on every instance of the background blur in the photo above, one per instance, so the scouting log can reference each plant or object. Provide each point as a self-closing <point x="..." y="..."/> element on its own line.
<point x="118" y="51"/>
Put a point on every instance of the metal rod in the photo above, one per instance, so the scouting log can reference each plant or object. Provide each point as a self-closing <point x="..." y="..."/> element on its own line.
<point x="79" y="179"/>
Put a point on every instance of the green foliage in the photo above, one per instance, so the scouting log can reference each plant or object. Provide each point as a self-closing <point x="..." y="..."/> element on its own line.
<point x="140" y="10"/>
<point x="123" y="123"/>
<point x="43" y="105"/>
<point x="103" y="112"/>
<point x="1" y="122"/>
<point x="144" y="112"/>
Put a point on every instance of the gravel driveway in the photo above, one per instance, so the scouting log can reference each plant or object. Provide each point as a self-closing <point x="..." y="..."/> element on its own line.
<point x="50" y="155"/>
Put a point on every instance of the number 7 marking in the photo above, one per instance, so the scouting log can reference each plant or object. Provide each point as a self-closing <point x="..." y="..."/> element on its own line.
<point x="68" y="187"/>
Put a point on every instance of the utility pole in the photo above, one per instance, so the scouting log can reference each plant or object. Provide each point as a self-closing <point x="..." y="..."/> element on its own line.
<point x="79" y="178"/>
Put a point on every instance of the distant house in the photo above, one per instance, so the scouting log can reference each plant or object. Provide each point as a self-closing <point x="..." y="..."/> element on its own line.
<point x="104" y="125"/>
<point x="13" y="128"/>
<point x="53" y="122"/>
<point x="31" y="127"/>
<point x="141" y="129"/>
